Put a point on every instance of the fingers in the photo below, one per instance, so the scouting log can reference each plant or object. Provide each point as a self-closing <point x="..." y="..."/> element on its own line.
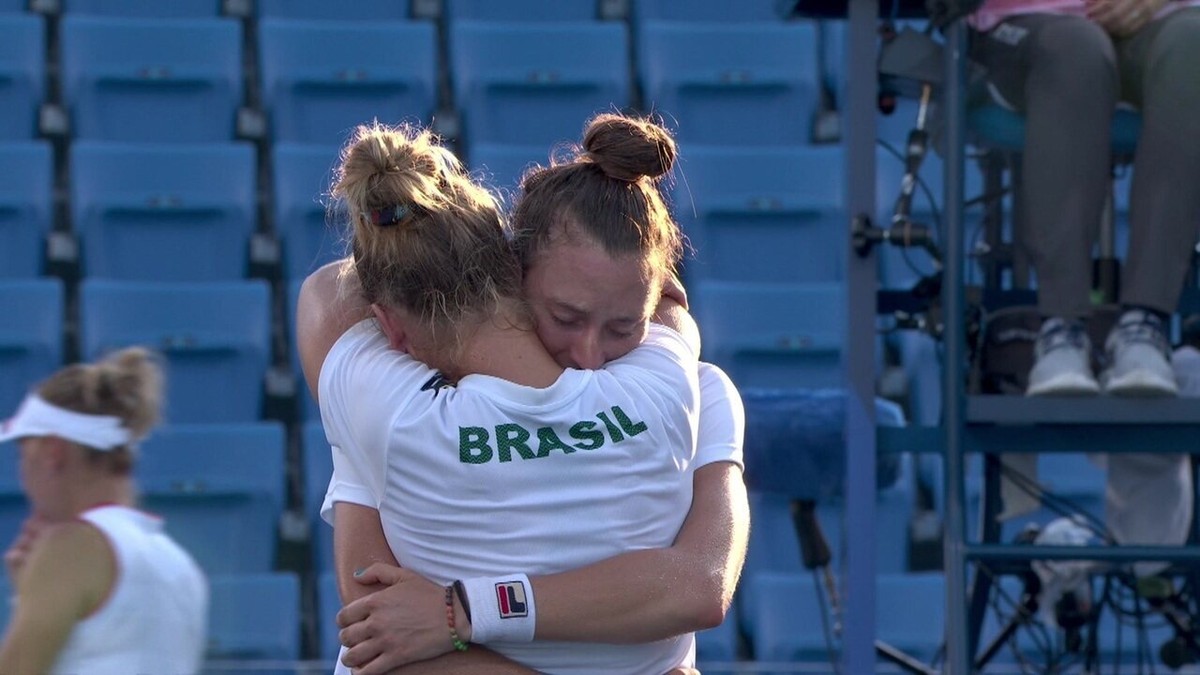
<point x="354" y="612"/>
<point x="381" y="573"/>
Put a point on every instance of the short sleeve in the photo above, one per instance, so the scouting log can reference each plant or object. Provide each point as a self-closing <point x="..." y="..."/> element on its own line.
<point x="722" y="419"/>
<point x="363" y="386"/>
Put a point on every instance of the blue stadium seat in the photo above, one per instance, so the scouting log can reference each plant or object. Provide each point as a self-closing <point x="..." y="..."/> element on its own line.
<point x="322" y="78"/>
<point x="303" y="175"/>
<point x="705" y="10"/>
<point x="318" y="467"/>
<point x="31" y="344"/>
<point x="786" y="623"/>
<point x="520" y="10"/>
<point x="360" y="10"/>
<point x="31" y="336"/>
<point x="220" y="489"/>
<point x="176" y="9"/>
<point x="775" y="547"/>
<point x="763" y="214"/>
<point x="536" y="83"/>
<point x="910" y="612"/>
<point x="731" y="83"/>
<point x="772" y="335"/>
<point x="329" y="603"/>
<point x="25" y="206"/>
<point x="215" y="336"/>
<point x="163" y="212"/>
<point x="307" y="405"/>
<point x="255" y="616"/>
<point x="152" y="79"/>
<point x="22" y="74"/>
<point x="501" y="166"/>
<point x="721" y="644"/>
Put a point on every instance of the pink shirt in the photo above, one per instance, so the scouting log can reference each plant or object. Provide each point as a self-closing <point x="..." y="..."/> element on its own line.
<point x="994" y="11"/>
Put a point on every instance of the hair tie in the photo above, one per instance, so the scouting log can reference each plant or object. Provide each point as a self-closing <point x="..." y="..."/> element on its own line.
<point x="389" y="216"/>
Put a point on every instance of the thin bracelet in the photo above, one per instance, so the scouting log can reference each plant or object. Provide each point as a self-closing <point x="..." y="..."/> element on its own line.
<point x="462" y="598"/>
<point x="458" y="643"/>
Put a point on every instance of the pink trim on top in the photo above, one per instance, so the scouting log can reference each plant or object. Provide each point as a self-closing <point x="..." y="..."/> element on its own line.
<point x="994" y="11"/>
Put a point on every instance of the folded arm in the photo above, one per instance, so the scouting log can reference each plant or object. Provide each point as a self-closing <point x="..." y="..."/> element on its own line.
<point x="635" y="597"/>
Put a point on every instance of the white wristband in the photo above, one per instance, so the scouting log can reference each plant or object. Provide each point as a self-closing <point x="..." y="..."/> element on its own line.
<point x="502" y="608"/>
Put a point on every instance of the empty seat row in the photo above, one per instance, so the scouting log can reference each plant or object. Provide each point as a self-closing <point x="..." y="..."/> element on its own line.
<point x="220" y="489"/>
<point x="171" y="80"/>
<point x="384" y="10"/>
<point x="215" y="338"/>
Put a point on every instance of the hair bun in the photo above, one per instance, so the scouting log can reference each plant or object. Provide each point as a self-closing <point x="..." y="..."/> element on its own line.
<point x="627" y="148"/>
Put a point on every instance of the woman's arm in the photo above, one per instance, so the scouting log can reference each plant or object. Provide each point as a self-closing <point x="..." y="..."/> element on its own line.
<point x="67" y="576"/>
<point x="328" y="306"/>
<point x="635" y="597"/>
<point x="359" y="542"/>
<point x="663" y="592"/>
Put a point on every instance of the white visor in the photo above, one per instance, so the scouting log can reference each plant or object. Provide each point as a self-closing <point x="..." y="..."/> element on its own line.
<point x="36" y="417"/>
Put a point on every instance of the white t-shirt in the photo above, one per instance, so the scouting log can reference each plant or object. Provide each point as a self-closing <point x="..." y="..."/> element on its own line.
<point x="721" y="433"/>
<point x="489" y="477"/>
<point x="155" y="620"/>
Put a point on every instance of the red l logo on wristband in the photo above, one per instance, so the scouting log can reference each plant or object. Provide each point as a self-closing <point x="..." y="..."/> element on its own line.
<point x="511" y="597"/>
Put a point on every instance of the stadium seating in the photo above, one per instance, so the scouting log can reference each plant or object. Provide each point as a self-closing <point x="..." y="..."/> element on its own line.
<point x="163" y="212"/>
<point x="321" y="78"/>
<point x="31" y="336"/>
<point x="790" y="619"/>
<point x="22" y="74"/>
<point x="788" y="622"/>
<point x="176" y="9"/>
<point x="772" y="335"/>
<point x="215" y="337"/>
<point x="302" y="178"/>
<point x="731" y="83"/>
<point x="328" y="605"/>
<point x="501" y="166"/>
<point x="152" y="79"/>
<point x="318" y="467"/>
<point x="31" y="348"/>
<point x="536" y="83"/>
<point x="520" y="10"/>
<point x="910" y="612"/>
<point x="360" y="10"/>
<point x="25" y="207"/>
<point x="763" y="214"/>
<point x="307" y="409"/>
<point x="255" y="616"/>
<point x="705" y="10"/>
<point x="220" y="490"/>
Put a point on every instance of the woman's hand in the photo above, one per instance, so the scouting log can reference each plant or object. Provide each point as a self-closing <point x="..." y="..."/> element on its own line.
<point x="398" y="625"/>
<point x="18" y="551"/>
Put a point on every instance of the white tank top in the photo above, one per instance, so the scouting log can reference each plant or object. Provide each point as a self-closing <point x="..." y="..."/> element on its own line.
<point x="155" y="619"/>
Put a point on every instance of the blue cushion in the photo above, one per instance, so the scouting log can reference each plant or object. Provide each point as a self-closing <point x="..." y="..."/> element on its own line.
<point x="1001" y="128"/>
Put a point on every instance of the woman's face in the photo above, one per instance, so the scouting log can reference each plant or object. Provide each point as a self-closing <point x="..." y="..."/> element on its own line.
<point x="590" y="308"/>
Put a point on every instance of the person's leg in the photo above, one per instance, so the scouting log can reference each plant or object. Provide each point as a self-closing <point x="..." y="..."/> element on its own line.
<point x="1060" y="71"/>
<point x="1158" y="74"/>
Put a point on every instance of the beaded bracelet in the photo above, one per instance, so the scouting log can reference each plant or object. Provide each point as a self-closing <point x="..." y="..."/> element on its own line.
<point x="458" y="643"/>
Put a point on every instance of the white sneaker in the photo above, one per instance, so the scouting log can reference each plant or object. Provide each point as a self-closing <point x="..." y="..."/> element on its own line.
<point x="1063" y="361"/>
<point x="1139" y="357"/>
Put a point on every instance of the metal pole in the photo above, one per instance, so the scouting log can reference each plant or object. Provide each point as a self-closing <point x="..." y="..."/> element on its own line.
<point x="957" y="658"/>
<point x="858" y="639"/>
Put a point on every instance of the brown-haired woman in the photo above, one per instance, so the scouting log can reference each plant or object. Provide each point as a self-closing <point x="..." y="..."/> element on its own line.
<point x="598" y="247"/>
<point x="521" y="466"/>
<point x="100" y="588"/>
